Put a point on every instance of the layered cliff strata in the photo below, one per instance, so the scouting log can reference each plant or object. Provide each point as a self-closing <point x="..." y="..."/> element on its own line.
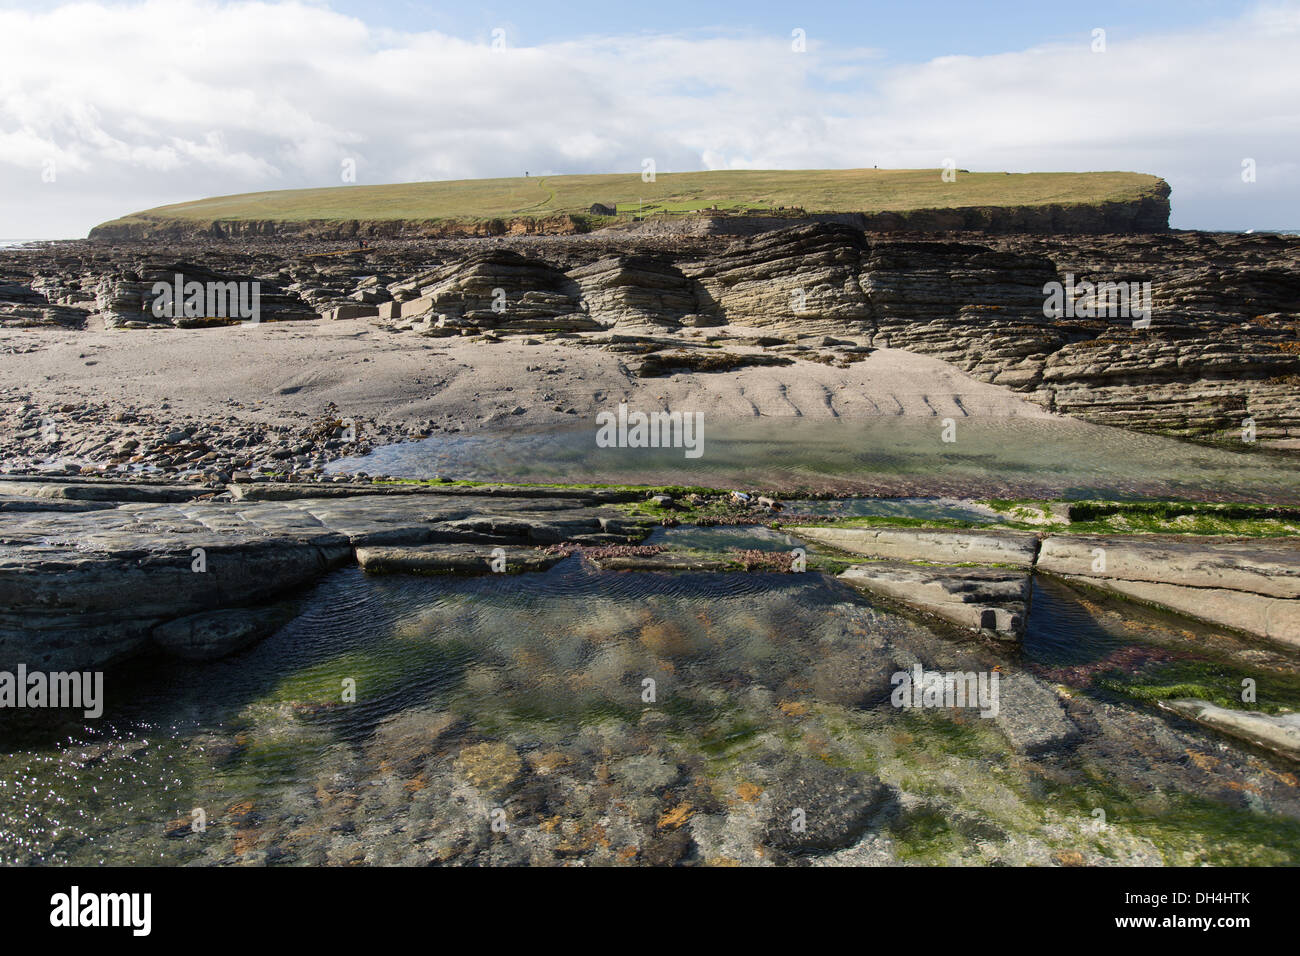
<point x="185" y="295"/>
<point x="1216" y="353"/>
<point x="805" y="279"/>
<point x="495" y="290"/>
<point x="637" y="292"/>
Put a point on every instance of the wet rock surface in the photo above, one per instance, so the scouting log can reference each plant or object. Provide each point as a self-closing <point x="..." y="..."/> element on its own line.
<point x="101" y="580"/>
<point x="443" y="559"/>
<point x="1278" y="734"/>
<point x="949" y="547"/>
<point x="214" y="634"/>
<point x="84" y="588"/>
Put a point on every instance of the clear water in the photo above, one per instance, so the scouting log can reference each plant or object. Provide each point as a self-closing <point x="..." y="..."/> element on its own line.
<point x="519" y="700"/>
<point x="718" y="539"/>
<point x="1123" y="651"/>
<point x="895" y="457"/>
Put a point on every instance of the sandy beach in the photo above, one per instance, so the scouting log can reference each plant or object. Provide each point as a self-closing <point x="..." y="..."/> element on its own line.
<point x="280" y="372"/>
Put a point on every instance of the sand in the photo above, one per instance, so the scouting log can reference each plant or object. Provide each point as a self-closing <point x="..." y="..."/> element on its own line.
<point x="271" y="371"/>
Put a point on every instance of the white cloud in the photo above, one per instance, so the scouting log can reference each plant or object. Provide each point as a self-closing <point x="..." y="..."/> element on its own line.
<point x="167" y="100"/>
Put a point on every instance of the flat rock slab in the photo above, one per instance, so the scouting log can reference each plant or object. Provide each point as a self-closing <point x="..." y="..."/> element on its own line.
<point x="81" y="589"/>
<point x="988" y="599"/>
<point x="1268" y="566"/>
<point x="942" y="547"/>
<point x="670" y="561"/>
<point x="1268" y="617"/>
<point x="1250" y="585"/>
<point x="416" y="519"/>
<point x="294" y="490"/>
<point x="116" y="491"/>
<point x="19" y="503"/>
<point x="1278" y="734"/>
<point x="455" y="559"/>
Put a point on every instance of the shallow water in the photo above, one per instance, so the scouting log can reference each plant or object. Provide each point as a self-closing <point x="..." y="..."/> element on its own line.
<point x="992" y="457"/>
<point x="520" y="701"/>
<point x="927" y="508"/>
<point x="723" y="538"/>
<point x="1123" y="651"/>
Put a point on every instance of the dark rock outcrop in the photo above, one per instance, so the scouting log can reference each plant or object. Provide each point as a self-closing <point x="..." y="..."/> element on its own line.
<point x="1221" y="352"/>
<point x="128" y="299"/>
<point x="499" y="290"/>
<point x="806" y="278"/>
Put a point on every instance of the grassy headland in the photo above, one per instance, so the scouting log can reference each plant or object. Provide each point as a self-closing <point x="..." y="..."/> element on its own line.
<point x="753" y="192"/>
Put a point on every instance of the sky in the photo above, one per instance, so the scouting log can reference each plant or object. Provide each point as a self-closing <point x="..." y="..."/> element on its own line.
<point x="111" y="107"/>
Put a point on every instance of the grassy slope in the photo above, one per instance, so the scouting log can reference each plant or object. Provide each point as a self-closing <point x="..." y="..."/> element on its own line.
<point x="822" y="190"/>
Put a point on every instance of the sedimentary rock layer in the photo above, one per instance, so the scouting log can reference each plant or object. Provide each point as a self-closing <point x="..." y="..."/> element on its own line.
<point x="1278" y="734"/>
<point x="86" y="579"/>
<point x="947" y="547"/>
<point x="1249" y="585"/>
<point x="1219" y="357"/>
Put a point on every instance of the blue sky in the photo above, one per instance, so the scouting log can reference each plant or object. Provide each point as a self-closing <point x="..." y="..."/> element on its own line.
<point x="110" y="106"/>
<point x="904" y="31"/>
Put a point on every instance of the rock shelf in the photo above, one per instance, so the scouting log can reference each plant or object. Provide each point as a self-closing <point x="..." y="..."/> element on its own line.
<point x="168" y="567"/>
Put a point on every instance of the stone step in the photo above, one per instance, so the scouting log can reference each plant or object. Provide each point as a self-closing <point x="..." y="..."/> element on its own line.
<point x="980" y="599"/>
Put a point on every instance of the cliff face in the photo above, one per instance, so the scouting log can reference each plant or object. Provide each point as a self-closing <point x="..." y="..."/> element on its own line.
<point x="193" y="230"/>
<point x="1222" y="344"/>
<point x="1149" y="213"/>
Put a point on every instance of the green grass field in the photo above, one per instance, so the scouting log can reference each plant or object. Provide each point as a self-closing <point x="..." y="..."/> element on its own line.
<point x="813" y="191"/>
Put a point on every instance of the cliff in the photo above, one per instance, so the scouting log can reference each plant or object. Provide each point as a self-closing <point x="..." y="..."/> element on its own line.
<point x="1220" y="347"/>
